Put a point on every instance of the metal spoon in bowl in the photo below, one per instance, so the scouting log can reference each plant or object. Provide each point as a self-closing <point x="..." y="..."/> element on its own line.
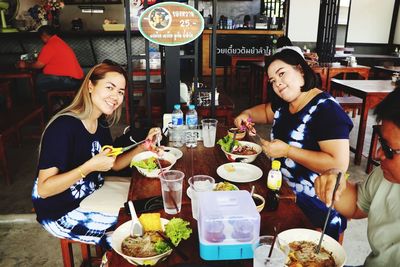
<point x="136" y="226"/>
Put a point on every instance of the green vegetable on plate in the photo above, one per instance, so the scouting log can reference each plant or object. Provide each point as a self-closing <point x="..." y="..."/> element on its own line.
<point x="226" y="142"/>
<point x="149" y="164"/>
<point x="177" y="229"/>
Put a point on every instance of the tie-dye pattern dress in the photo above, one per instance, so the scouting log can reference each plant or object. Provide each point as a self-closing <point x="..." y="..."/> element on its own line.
<point x="66" y="145"/>
<point x="321" y="119"/>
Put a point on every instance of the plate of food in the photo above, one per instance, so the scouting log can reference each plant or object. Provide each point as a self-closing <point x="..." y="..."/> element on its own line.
<point x="174" y="151"/>
<point x="221" y="186"/>
<point x="151" y="247"/>
<point x="238" y="172"/>
<point x="146" y="163"/>
<point x="302" y="243"/>
<point x="239" y="151"/>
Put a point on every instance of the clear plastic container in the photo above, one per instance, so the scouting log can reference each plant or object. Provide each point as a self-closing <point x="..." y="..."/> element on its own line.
<point x="228" y="222"/>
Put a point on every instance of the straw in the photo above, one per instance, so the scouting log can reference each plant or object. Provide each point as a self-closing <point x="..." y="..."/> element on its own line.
<point x="276" y="229"/>
<point x="169" y="188"/>
<point x="318" y="248"/>
<point x="191" y="153"/>
<point x="252" y="190"/>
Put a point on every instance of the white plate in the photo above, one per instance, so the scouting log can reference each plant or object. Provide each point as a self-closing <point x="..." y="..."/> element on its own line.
<point x="189" y="190"/>
<point x="330" y="244"/>
<point x="174" y="151"/>
<point x="239" y="172"/>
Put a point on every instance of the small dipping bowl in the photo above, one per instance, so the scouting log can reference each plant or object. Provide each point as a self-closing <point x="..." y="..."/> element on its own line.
<point x="239" y="135"/>
<point x="259" y="201"/>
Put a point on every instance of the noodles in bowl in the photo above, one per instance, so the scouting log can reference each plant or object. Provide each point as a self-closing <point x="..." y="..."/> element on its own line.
<point x="302" y="244"/>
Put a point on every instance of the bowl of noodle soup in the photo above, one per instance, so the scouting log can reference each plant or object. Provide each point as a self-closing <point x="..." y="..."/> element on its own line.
<point x="122" y="232"/>
<point x="307" y="236"/>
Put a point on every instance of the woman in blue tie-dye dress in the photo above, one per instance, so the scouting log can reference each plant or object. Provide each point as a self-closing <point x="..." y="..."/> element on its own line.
<point x="310" y="133"/>
<point x="71" y="163"/>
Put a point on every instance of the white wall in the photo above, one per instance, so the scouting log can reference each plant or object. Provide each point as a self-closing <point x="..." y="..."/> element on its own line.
<point x="370" y="21"/>
<point x="303" y="20"/>
<point x="397" y="32"/>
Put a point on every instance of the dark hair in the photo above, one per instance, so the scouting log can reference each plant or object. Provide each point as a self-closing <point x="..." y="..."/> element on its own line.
<point x="46" y="29"/>
<point x="293" y="58"/>
<point x="283" y="41"/>
<point x="389" y="108"/>
<point x="246" y="18"/>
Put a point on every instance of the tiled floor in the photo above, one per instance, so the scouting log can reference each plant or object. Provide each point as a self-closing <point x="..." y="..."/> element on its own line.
<point x="24" y="243"/>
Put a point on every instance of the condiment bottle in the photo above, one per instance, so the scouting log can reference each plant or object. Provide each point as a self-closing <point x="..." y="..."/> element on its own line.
<point x="274" y="182"/>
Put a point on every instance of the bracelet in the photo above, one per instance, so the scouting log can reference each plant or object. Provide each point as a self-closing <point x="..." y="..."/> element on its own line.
<point x="287" y="150"/>
<point x="81" y="173"/>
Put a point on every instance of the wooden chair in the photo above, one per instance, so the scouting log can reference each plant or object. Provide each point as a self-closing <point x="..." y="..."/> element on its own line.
<point x="52" y="95"/>
<point x="68" y="257"/>
<point x="322" y="73"/>
<point x="12" y="120"/>
<point x="347" y="102"/>
<point x="372" y="149"/>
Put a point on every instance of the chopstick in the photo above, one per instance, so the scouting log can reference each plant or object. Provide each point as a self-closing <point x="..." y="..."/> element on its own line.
<point x="180" y="252"/>
<point x="318" y="248"/>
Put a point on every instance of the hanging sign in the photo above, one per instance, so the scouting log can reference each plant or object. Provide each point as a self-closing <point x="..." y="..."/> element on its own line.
<point x="171" y="24"/>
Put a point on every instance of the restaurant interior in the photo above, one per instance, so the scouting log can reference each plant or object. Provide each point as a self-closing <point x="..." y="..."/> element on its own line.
<point x="350" y="44"/>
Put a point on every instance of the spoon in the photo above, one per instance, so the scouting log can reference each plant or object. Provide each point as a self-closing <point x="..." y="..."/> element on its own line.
<point x="252" y="190"/>
<point x="318" y="248"/>
<point x="136" y="226"/>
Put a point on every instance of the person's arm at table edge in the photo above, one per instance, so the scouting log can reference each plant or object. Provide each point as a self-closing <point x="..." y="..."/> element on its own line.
<point x="345" y="198"/>
<point x="259" y="114"/>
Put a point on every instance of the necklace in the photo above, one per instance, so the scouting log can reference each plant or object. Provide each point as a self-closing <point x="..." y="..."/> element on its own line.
<point x="303" y="102"/>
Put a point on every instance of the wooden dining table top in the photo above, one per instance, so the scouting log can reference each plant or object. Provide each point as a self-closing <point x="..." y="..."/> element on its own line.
<point x="201" y="160"/>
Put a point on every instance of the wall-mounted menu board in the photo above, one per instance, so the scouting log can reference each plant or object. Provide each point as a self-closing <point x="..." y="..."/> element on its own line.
<point x="88" y="2"/>
<point x="171" y="23"/>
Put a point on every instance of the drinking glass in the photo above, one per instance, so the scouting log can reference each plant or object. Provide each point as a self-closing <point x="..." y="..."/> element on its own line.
<point x="209" y="132"/>
<point x="199" y="183"/>
<point x="176" y="134"/>
<point x="171" y="188"/>
<point x="261" y="248"/>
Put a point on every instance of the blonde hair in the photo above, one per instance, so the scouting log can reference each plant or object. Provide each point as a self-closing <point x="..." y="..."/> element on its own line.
<point x="82" y="105"/>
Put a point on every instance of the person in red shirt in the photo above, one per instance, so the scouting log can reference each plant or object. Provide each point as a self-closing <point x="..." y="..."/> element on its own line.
<point x="60" y="67"/>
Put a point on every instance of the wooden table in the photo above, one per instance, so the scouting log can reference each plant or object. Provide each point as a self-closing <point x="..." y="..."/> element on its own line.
<point x="363" y="71"/>
<point x="11" y="72"/>
<point x="206" y="161"/>
<point x="385" y="72"/>
<point x="371" y="92"/>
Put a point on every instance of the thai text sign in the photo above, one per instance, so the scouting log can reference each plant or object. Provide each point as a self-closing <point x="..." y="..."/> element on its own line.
<point x="171" y="24"/>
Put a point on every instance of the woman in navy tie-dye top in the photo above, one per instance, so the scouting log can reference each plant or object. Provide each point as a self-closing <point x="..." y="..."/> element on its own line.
<point x="72" y="163"/>
<point x="310" y="133"/>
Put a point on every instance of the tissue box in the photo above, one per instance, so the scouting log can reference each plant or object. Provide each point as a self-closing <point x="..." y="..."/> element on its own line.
<point x="227" y="225"/>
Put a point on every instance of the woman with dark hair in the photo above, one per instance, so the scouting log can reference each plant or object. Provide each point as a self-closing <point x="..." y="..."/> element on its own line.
<point x="284" y="42"/>
<point x="310" y="133"/>
<point x="71" y="160"/>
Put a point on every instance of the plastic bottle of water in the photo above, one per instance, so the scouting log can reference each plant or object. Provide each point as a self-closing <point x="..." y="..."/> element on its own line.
<point x="191" y="118"/>
<point x="274" y="182"/>
<point x="177" y="115"/>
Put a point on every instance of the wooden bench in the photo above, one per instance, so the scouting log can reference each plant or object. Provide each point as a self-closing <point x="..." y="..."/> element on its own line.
<point x="12" y="119"/>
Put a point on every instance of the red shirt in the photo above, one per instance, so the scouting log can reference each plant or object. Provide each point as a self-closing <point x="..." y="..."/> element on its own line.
<point x="59" y="59"/>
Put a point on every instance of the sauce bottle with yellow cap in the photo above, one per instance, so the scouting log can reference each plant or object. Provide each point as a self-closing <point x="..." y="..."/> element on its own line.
<point x="274" y="183"/>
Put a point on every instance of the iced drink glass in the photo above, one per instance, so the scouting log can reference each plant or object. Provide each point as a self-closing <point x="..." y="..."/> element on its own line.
<point x="171" y="188"/>
<point x="199" y="183"/>
<point x="209" y="130"/>
<point x="261" y="248"/>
